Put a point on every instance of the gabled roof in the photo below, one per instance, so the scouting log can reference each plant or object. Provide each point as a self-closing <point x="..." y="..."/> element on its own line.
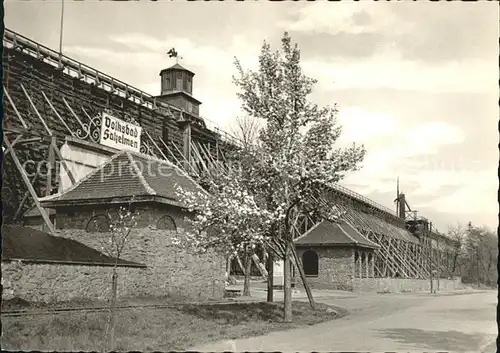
<point x="23" y="243"/>
<point x="328" y="233"/>
<point x="126" y="175"/>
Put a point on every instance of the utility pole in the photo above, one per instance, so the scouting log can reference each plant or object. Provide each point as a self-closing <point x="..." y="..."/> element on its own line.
<point x="438" y="260"/>
<point x="476" y="246"/>
<point x="477" y="265"/>
<point x="61" y="34"/>
<point x="430" y="256"/>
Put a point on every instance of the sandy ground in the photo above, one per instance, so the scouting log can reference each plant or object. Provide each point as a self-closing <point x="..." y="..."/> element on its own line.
<point x="461" y="321"/>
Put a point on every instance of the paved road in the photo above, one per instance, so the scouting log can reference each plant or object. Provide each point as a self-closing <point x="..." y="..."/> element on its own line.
<point x="409" y="322"/>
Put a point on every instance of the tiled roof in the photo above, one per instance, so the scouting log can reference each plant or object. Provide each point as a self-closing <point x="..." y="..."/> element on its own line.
<point x="328" y="233"/>
<point x="23" y="243"/>
<point x="128" y="174"/>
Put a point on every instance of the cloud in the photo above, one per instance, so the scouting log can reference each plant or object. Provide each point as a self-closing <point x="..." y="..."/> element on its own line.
<point x="426" y="33"/>
<point x="401" y="151"/>
<point x="358" y="125"/>
<point x="387" y="71"/>
<point x="473" y="193"/>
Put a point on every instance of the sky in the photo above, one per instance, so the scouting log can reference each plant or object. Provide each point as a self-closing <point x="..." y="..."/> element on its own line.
<point x="416" y="82"/>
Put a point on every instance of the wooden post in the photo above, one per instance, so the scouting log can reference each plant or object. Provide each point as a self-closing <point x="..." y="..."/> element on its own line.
<point x="51" y="162"/>
<point x="186" y="134"/>
<point x="270" y="277"/>
<point x="26" y="180"/>
<point x="430" y="258"/>
<point x="300" y="267"/>
<point x="367" y="265"/>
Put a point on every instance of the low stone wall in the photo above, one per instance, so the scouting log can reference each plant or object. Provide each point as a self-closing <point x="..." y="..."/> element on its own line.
<point x="42" y="282"/>
<point x="170" y="269"/>
<point x="396" y="285"/>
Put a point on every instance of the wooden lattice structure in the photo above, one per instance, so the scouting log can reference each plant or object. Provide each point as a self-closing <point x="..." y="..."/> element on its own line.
<point x="48" y="97"/>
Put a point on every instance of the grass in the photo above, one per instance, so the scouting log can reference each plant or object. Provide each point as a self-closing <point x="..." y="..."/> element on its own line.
<point x="145" y="329"/>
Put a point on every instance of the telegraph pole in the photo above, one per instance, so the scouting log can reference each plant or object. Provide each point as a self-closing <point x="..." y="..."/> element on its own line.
<point x="61" y="34"/>
<point x="430" y="257"/>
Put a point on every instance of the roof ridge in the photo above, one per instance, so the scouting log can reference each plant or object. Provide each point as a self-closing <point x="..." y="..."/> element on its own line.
<point x="85" y="178"/>
<point x="309" y="231"/>
<point x="139" y="174"/>
<point x="361" y="234"/>
<point x="182" y="171"/>
<point x="348" y="236"/>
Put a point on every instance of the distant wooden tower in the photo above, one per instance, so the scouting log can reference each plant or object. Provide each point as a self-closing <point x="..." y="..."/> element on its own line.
<point x="177" y="89"/>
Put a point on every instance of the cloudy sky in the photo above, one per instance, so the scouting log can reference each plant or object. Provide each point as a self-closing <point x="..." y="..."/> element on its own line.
<point x="417" y="83"/>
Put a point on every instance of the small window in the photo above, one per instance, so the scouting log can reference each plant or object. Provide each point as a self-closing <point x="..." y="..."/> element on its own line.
<point x="166" y="223"/>
<point x="189" y="107"/>
<point x="189" y="85"/>
<point x="98" y="224"/>
<point x="167" y="83"/>
<point x="179" y="84"/>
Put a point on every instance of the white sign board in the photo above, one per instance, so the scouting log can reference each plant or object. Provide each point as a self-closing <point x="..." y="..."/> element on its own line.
<point x="119" y="134"/>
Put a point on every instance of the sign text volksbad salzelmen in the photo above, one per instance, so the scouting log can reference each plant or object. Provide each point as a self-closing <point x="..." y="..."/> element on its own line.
<point x="119" y="134"/>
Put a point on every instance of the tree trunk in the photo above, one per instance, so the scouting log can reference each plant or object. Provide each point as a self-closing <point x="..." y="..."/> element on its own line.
<point x="287" y="284"/>
<point x="248" y="267"/>
<point x="270" y="279"/>
<point x="112" y="313"/>
<point x="304" y="279"/>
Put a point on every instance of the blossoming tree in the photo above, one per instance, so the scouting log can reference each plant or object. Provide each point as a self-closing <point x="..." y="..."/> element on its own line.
<point x="286" y="172"/>
<point x="226" y="218"/>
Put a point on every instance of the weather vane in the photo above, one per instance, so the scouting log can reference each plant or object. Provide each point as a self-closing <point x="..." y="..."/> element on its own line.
<point x="172" y="53"/>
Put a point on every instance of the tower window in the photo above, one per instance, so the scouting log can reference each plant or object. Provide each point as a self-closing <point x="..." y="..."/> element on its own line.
<point x="189" y="86"/>
<point x="190" y="107"/>
<point x="167" y="83"/>
<point x="179" y="84"/>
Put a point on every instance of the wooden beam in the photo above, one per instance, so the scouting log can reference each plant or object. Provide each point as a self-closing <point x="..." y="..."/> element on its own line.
<point x="73" y="113"/>
<point x="63" y="162"/>
<point x="26" y="180"/>
<point x="16" y="140"/>
<point x="300" y="268"/>
<point x="260" y="266"/>
<point x="57" y="114"/>
<point x="36" y="110"/>
<point x="179" y="164"/>
<point x="27" y="193"/>
<point x="199" y="158"/>
<point x="15" y="108"/>
<point x="51" y="163"/>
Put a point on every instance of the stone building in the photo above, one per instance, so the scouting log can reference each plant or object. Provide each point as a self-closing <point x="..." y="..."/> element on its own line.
<point x="333" y="254"/>
<point x="147" y="185"/>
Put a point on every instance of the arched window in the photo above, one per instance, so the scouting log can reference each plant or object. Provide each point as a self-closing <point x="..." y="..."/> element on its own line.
<point x="363" y="265"/>
<point x="356" y="264"/>
<point x="98" y="224"/>
<point x="310" y="263"/>
<point x="166" y="223"/>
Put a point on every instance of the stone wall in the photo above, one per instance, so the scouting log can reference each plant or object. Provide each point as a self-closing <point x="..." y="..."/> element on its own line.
<point x="148" y="215"/>
<point x="170" y="269"/>
<point x="41" y="282"/>
<point x="396" y="285"/>
<point x="335" y="268"/>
